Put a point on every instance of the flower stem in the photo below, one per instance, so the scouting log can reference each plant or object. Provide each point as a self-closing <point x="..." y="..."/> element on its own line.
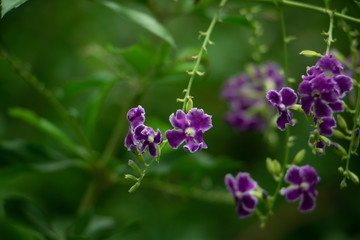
<point x="329" y="33"/>
<point x="283" y="34"/>
<point x="206" y="41"/>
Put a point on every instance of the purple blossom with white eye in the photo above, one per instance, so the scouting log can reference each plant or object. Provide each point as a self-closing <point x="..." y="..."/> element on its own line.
<point x="302" y="182"/>
<point x="249" y="110"/>
<point x="136" y="117"/>
<point x="241" y="187"/>
<point x="190" y="128"/>
<point x="323" y="87"/>
<point x="147" y="137"/>
<point x="283" y="100"/>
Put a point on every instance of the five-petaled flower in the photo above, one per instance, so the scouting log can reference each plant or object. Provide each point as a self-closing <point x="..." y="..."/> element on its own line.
<point x="323" y="87"/>
<point x="283" y="100"/>
<point x="302" y="182"/>
<point x="190" y="128"/>
<point x="241" y="187"/>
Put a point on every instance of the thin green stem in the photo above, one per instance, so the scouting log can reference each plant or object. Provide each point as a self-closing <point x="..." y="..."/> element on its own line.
<point x="206" y="41"/>
<point x="329" y="33"/>
<point x="48" y="95"/>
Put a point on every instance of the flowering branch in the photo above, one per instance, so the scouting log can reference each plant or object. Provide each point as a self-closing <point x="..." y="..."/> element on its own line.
<point x="198" y="57"/>
<point x="329" y="40"/>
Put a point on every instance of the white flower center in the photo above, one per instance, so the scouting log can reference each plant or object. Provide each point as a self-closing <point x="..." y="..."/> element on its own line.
<point x="282" y="106"/>
<point x="150" y="139"/>
<point x="328" y="74"/>
<point x="190" y="132"/>
<point x="316" y="94"/>
<point x="304" y="186"/>
<point x="239" y="194"/>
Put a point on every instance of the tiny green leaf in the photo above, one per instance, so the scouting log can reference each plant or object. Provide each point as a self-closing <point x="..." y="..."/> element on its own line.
<point x="142" y="19"/>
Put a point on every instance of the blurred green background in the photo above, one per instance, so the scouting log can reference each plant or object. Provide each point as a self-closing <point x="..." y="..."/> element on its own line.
<point x="99" y="63"/>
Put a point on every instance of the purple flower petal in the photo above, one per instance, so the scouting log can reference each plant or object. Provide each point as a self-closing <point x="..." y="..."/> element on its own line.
<point x="309" y="174"/>
<point x="307" y="203"/>
<point x="138" y="133"/>
<point x="305" y="88"/>
<point x="306" y="104"/>
<point x="344" y="83"/>
<point x="320" y="145"/>
<point x="192" y="146"/>
<point x="321" y="109"/>
<point x="327" y="125"/>
<point x="274" y="98"/>
<point x="199" y="138"/>
<point x="292" y="193"/>
<point x="152" y="150"/>
<point x="292" y="175"/>
<point x="329" y="63"/>
<point x="230" y="183"/>
<point x="242" y="212"/>
<point x="248" y="202"/>
<point x="158" y="137"/>
<point x="175" y="137"/>
<point x="136" y="116"/>
<point x="337" y="106"/>
<point x="129" y="142"/>
<point x="245" y="182"/>
<point x="199" y="120"/>
<point x="288" y="96"/>
<point x="179" y="121"/>
<point x="144" y="146"/>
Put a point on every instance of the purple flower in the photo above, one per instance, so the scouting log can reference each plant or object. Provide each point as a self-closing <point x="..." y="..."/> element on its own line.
<point x="249" y="109"/>
<point x="136" y="117"/>
<point x="139" y="135"/>
<point x="147" y="136"/>
<point x="283" y="100"/>
<point x="241" y="188"/>
<point x="190" y="128"/>
<point x="302" y="182"/>
<point x="323" y="87"/>
<point x="326" y="126"/>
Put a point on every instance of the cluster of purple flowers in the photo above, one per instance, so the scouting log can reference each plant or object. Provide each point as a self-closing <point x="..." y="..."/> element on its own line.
<point x="189" y="128"/>
<point x="302" y="182"/>
<point x="249" y="109"/>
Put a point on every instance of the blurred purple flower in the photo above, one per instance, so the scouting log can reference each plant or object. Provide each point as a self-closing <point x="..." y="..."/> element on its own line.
<point x="283" y="100"/>
<point x="326" y="126"/>
<point x="146" y="136"/>
<point x="190" y="128"/>
<point x="241" y="188"/>
<point x="302" y="182"/>
<point x="249" y="109"/>
<point x="323" y="87"/>
<point x="136" y="117"/>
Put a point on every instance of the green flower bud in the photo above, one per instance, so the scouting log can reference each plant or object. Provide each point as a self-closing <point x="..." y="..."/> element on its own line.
<point x="343" y="184"/>
<point x="339" y="134"/>
<point x="134" y="166"/>
<point x="277" y="167"/>
<point x="299" y="156"/>
<point x="134" y="187"/>
<point x="310" y="53"/>
<point x="342" y="123"/>
<point x="355" y="141"/>
<point x="270" y="166"/>
<point x="354" y="177"/>
<point x="341" y="170"/>
<point x="189" y="104"/>
<point x="340" y="150"/>
<point x="131" y="177"/>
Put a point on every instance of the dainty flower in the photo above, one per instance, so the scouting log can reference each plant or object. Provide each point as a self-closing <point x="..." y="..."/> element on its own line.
<point x="148" y="139"/>
<point x="326" y="126"/>
<point x="241" y="187"/>
<point x="323" y="87"/>
<point x="283" y="100"/>
<point x="190" y="128"/>
<point x="302" y="182"/>
<point x="136" y="117"/>
<point x="244" y="93"/>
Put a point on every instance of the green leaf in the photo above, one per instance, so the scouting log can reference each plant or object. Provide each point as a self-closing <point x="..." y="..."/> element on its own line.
<point x="357" y="2"/>
<point x="28" y="214"/>
<point x="139" y="57"/>
<point x="327" y="4"/>
<point x="14" y="231"/>
<point x="7" y="5"/>
<point x="44" y="125"/>
<point x="142" y="19"/>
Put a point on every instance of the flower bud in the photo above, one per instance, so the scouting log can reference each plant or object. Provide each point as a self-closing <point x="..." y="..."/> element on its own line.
<point x="134" y="187"/>
<point x="354" y="177"/>
<point x="310" y="53"/>
<point x="299" y="157"/>
<point x="189" y="104"/>
<point x="134" y="166"/>
<point x="270" y="166"/>
<point x="338" y="149"/>
<point x="342" y="123"/>
<point x="341" y="170"/>
<point x="277" y="167"/>
<point x="339" y="134"/>
<point x="131" y="177"/>
<point x="355" y="144"/>
<point x="343" y="184"/>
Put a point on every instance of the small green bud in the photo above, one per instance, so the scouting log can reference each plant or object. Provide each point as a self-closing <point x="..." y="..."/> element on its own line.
<point x="354" y="177"/>
<point x="189" y="104"/>
<point x="297" y="107"/>
<point x="342" y="123"/>
<point x="277" y="167"/>
<point x="310" y="53"/>
<point x="270" y="166"/>
<point x="134" y="187"/>
<point x="355" y="141"/>
<point x="340" y="150"/>
<point x="339" y="134"/>
<point x="299" y="156"/>
<point x="131" y="177"/>
<point x="343" y="184"/>
<point x="134" y="166"/>
<point x="341" y="170"/>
